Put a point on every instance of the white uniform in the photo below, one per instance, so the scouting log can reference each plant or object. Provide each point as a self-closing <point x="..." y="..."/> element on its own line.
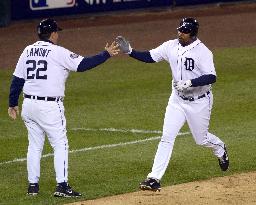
<point x="45" y="68"/>
<point x="186" y="63"/>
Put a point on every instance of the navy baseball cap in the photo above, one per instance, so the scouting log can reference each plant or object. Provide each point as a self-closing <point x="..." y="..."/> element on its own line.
<point x="185" y="28"/>
<point x="47" y="26"/>
<point x="189" y="25"/>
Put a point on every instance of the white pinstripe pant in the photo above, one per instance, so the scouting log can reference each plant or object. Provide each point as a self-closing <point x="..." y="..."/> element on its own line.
<point x="45" y="118"/>
<point x="178" y="111"/>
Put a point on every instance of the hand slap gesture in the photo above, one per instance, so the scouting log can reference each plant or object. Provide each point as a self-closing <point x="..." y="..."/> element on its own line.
<point x="112" y="49"/>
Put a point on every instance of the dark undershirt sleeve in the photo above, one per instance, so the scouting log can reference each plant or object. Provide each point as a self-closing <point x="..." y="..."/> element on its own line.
<point x="15" y="90"/>
<point x="203" y="80"/>
<point x="143" y="56"/>
<point x="90" y="62"/>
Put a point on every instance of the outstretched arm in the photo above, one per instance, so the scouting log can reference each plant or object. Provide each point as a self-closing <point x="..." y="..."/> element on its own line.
<point x="143" y="56"/>
<point x="126" y="48"/>
<point x="90" y="62"/>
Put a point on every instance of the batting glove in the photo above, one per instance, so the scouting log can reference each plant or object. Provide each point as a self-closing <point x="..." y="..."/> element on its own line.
<point x="124" y="45"/>
<point x="182" y="85"/>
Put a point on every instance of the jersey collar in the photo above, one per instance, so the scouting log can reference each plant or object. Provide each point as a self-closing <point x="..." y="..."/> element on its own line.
<point x="44" y="43"/>
<point x="48" y="41"/>
<point x="192" y="45"/>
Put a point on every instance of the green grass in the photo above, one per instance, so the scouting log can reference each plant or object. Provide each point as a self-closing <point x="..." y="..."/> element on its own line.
<point x="127" y="94"/>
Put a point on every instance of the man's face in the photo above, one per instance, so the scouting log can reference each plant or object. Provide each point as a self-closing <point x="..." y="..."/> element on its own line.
<point x="184" y="38"/>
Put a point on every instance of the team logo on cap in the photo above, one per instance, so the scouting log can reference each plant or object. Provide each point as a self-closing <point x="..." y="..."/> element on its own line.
<point x="51" y="4"/>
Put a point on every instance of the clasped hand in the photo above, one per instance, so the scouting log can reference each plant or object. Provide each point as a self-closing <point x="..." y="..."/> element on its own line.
<point x="182" y="85"/>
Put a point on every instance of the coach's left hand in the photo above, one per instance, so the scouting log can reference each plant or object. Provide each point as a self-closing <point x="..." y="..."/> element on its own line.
<point x="112" y="49"/>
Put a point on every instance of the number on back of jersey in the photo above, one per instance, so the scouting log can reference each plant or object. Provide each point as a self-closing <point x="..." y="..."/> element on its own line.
<point x="36" y="69"/>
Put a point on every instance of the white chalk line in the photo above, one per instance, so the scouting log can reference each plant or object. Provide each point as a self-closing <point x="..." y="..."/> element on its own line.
<point x="118" y="130"/>
<point x="101" y="146"/>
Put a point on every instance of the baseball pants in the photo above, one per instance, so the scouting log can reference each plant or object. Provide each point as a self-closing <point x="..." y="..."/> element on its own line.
<point x="45" y="118"/>
<point x="197" y="114"/>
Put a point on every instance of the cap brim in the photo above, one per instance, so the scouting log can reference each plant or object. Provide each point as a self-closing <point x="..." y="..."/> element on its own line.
<point x="59" y="29"/>
<point x="184" y="29"/>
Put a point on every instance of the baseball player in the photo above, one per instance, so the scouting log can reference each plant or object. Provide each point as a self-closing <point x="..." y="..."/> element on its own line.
<point x="41" y="72"/>
<point x="193" y="72"/>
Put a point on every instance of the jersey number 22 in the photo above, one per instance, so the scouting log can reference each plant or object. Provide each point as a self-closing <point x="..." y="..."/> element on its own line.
<point x="36" y="69"/>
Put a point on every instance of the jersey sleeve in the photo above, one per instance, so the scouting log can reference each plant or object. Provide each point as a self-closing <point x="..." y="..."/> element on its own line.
<point x="69" y="60"/>
<point x="206" y="62"/>
<point x="19" y="70"/>
<point x="160" y="53"/>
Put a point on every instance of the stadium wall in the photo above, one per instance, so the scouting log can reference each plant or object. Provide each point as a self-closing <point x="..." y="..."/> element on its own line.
<point x="29" y="9"/>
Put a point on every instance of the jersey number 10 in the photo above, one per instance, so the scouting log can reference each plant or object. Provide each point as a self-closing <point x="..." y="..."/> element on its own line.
<point x="37" y="69"/>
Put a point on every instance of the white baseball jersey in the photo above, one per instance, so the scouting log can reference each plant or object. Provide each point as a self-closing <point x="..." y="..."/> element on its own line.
<point x="186" y="63"/>
<point x="45" y="68"/>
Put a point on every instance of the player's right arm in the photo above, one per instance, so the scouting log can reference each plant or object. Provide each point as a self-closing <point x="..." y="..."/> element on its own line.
<point x="126" y="48"/>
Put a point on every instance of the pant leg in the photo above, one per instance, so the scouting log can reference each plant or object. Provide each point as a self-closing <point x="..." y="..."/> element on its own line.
<point x="36" y="138"/>
<point x="198" y="115"/>
<point x="173" y="121"/>
<point x="55" y="128"/>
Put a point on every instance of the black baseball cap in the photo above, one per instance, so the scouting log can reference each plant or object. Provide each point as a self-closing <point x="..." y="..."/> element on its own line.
<point x="189" y="25"/>
<point x="48" y="25"/>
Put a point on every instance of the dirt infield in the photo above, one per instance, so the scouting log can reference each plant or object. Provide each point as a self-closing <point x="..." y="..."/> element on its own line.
<point x="238" y="189"/>
<point x="220" y="26"/>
